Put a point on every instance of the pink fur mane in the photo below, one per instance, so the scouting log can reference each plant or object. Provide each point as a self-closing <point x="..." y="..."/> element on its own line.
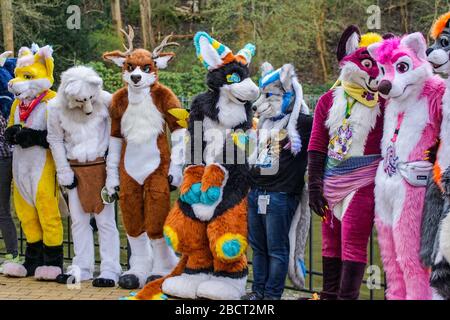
<point x="433" y="90"/>
<point x="387" y="47"/>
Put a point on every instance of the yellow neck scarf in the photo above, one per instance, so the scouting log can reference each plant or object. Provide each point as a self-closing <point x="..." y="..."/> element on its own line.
<point x="367" y="98"/>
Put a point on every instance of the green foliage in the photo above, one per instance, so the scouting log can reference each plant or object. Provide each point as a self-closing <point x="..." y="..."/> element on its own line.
<point x="186" y="84"/>
<point x="284" y="32"/>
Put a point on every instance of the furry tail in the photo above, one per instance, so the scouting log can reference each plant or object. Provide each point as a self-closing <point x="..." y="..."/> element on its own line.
<point x="153" y="289"/>
<point x="432" y="216"/>
<point x="298" y="235"/>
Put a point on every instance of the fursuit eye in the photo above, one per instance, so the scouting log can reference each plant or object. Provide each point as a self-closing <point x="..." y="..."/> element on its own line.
<point x="130" y="67"/>
<point x="367" y="63"/>
<point x="28" y="77"/>
<point x="233" y="78"/>
<point x="382" y="70"/>
<point x="146" y="69"/>
<point x="445" y="42"/>
<point x="268" y="95"/>
<point x="402" y="67"/>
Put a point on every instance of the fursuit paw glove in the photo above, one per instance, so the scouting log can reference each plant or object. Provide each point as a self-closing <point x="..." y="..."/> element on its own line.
<point x="11" y="133"/>
<point x="316" y="168"/>
<point x="192" y="196"/>
<point x="431" y="154"/>
<point x="27" y="138"/>
<point x="177" y="158"/>
<point x="66" y="178"/>
<point x="112" y="165"/>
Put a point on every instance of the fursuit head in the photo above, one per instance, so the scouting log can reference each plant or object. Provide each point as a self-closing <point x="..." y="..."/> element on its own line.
<point x="438" y="53"/>
<point x="280" y="102"/>
<point x="277" y="109"/>
<point x="208" y="223"/>
<point x="356" y="65"/>
<point x="411" y="126"/>
<point x="435" y="244"/>
<point x="7" y="66"/>
<point x="82" y="106"/>
<point x="33" y="73"/>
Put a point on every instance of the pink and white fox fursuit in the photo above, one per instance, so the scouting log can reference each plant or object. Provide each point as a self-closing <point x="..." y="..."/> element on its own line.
<point x="411" y="127"/>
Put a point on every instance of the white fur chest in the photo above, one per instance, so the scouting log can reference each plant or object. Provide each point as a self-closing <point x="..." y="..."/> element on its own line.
<point x="37" y="119"/>
<point x="141" y="121"/>
<point x="230" y="114"/>
<point x="443" y="157"/>
<point x="415" y="119"/>
<point x="362" y="121"/>
<point x="86" y="137"/>
<point x="141" y="126"/>
<point x="214" y="136"/>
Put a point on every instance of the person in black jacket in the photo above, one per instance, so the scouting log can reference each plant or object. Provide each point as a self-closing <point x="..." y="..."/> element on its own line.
<point x="277" y="177"/>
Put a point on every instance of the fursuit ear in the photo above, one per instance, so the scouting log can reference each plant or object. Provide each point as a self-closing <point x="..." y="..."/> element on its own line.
<point x="388" y="35"/>
<point x="206" y="52"/>
<point x="349" y="42"/>
<point x="4" y="56"/>
<point x="95" y="81"/>
<point x="266" y="68"/>
<point x="46" y="53"/>
<point x="72" y="87"/>
<point x="287" y="72"/>
<point x="417" y="43"/>
<point x="115" y="57"/>
<point x="373" y="48"/>
<point x="163" y="59"/>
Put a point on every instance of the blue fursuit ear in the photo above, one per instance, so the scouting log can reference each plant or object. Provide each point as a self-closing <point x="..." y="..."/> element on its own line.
<point x="6" y="74"/>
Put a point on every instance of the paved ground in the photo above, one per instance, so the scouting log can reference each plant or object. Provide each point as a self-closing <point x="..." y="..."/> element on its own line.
<point x="30" y="289"/>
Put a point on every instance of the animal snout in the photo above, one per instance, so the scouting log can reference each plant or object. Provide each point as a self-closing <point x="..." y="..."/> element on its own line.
<point x="136" y="78"/>
<point x="429" y="51"/>
<point x="385" y="87"/>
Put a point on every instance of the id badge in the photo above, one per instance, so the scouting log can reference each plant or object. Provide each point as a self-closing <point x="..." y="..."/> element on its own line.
<point x="263" y="202"/>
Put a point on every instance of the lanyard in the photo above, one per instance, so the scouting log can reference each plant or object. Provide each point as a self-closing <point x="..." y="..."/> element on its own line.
<point x="348" y="109"/>
<point x="397" y="129"/>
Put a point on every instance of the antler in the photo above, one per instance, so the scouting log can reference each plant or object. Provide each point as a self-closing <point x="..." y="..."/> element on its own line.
<point x="130" y="36"/>
<point x="156" y="52"/>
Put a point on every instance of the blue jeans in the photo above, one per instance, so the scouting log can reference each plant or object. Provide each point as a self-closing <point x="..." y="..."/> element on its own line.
<point x="269" y="239"/>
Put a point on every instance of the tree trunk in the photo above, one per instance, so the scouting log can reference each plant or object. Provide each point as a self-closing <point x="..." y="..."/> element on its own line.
<point x="319" y="21"/>
<point x="146" y="24"/>
<point x="7" y="24"/>
<point x="116" y="16"/>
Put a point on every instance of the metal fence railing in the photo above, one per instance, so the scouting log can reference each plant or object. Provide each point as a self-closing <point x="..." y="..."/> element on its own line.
<point x="313" y="267"/>
<point x="313" y="271"/>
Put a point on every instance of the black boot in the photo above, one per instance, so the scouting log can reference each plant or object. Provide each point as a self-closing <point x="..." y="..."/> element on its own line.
<point x="331" y="278"/>
<point x="351" y="279"/>
<point x="54" y="256"/>
<point x="65" y="278"/>
<point x="34" y="257"/>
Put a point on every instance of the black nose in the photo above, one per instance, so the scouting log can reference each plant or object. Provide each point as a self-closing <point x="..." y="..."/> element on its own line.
<point x="254" y="108"/>
<point x="429" y="50"/>
<point x="385" y="87"/>
<point x="136" y="78"/>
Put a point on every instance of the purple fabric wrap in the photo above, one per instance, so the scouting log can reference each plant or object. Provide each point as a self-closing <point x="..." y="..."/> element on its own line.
<point x="350" y="175"/>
